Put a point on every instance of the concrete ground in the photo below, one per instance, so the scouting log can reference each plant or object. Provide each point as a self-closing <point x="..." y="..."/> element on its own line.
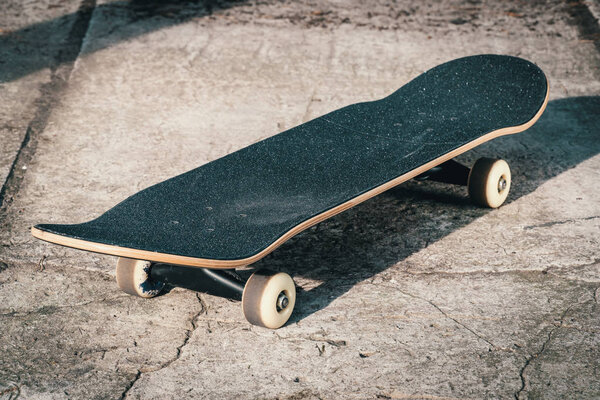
<point x="415" y="294"/>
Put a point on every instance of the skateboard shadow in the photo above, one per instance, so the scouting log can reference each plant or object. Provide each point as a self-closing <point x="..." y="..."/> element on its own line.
<point x="380" y="233"/>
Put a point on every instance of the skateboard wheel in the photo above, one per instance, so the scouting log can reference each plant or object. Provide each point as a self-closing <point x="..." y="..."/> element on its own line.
<point x="133" y="277"/>
<point x="489" y="182"/>
<point x="269" y="298"/>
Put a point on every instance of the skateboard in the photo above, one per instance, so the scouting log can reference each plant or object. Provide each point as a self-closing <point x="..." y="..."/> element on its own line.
<point x="237" y="209"/>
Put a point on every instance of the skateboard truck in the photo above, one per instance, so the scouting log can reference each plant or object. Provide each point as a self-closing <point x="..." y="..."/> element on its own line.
<point x="451" y="172"/>
<point x="216" y="282"/>
<point x="488" y="181"/>
<point x="222" y="283"/>
<point x="268" y="298"/>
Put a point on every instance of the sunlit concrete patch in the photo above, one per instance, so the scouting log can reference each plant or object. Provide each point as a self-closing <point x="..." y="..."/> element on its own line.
<point x="561" y="214"/>
<point x="552" y="213"/>
<point x="28" y="36"/>
<point x="70" y="332"/>
<point x="446" y="336"/>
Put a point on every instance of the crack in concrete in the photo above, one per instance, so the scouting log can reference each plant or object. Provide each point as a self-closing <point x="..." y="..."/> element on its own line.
<point x="320" y="337"/>
<point x="555" y="271"/>
<point x="189" y="332"/>
<point x="12" y="389"/>
<point x="518" y="272"/>
<point x="49" y="308"/>
<point x="537" y="354"/>
<point x="200" y="52"/>
<point x="50" y="95"/>
<point x="557" y="325"/>
<point x="573" y="266"/>
<point x="495" y="347"/>
<point x="561" y="222"/>
<point x="310" y="101"/>
<point x="130" y="384"/>
<point x="179" y="350"/>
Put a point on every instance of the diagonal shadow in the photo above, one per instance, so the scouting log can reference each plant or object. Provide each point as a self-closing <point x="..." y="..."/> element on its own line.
<point x="368" y="239"/>
<point x="45" y="44"/>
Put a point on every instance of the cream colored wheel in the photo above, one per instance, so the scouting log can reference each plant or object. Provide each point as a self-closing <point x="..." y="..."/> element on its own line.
<point x="269" y="298"/>
<point x="489" y="182"/>
<point x="133" y="277"/>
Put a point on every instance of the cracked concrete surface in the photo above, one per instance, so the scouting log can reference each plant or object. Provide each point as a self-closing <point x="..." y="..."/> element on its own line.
<point x="414" y="294"/>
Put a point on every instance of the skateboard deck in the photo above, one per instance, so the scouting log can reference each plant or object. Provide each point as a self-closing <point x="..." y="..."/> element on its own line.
<point x="235" y="210"/>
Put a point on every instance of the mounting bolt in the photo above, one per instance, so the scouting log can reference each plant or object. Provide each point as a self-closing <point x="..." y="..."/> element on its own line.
<point x="501" y="184"/>
<point x="282" y="301"/>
